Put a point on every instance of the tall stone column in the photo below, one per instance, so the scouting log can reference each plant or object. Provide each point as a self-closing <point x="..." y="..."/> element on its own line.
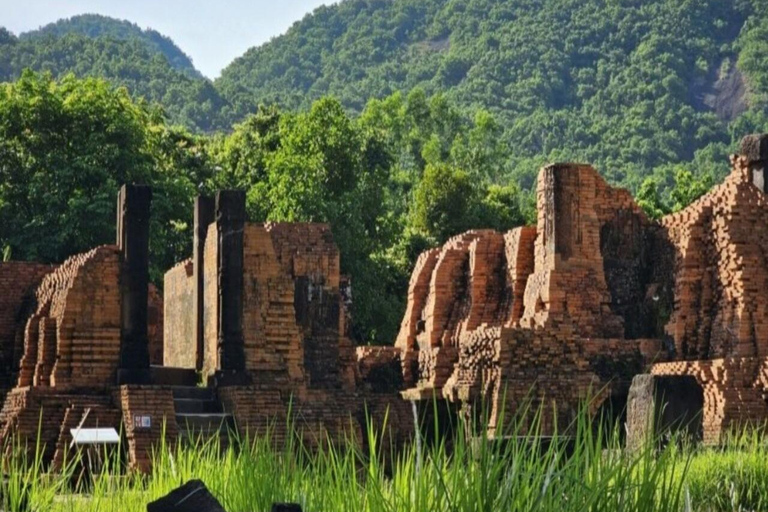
<point x="205" y="210"/>
<point x="755" y="148"/>
<point x="133" y="211"/>
<point x="230" y="224"/>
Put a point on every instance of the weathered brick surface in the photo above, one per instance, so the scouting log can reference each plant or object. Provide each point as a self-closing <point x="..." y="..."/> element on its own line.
<point x="718" y="323"/>
<point x="607" y="293"/>
<point x="180" y="345"/>
<point x="273" y="349"/>
<point x="298" y="357"/>
<point x="733" y="392"/>
<point x="293" y="319"/>
<point x="18" y="281"/>
<point x="538" y="316"/>
<point x="721" y="290"/>
<point x="569" y="280"/>
<point x="155" y="402"/>
<point x="40" y="411"/>
<point x="73" y="338"/>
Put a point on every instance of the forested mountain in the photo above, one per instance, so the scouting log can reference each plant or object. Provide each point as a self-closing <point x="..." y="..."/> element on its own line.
<point x="399" y="122"/>
<point x="94" y="25"/>
<point x="631" y="86"/>
<point x="148" y="64"/>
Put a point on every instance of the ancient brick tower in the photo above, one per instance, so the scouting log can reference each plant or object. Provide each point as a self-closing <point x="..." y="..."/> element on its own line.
<point x="259" y="310"/>
<point x="595" y="294"/>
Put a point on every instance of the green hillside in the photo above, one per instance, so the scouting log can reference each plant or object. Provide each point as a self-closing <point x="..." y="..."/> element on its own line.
<point x="149" y="65"/>
<point x="400" y="123"/>
<point x="631" y="86"/>
<point x="94" y="25"/>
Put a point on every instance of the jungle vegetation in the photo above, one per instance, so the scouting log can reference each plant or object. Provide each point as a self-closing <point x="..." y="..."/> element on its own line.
<point x="401" y="123"/>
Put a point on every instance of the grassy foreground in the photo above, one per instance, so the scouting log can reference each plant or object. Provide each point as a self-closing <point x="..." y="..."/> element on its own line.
<point x="591" y="472"/>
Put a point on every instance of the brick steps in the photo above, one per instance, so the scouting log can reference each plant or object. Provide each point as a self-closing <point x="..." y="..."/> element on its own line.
<point x="200" y="416"/>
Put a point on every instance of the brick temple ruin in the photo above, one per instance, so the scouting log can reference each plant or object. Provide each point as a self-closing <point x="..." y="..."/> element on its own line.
<point x="596" y="294"/>
<point x="567" y="311"/>
<point x="259" y="313"/>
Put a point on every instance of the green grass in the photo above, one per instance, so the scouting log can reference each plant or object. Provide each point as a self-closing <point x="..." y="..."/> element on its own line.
<point x="521" y="474"/>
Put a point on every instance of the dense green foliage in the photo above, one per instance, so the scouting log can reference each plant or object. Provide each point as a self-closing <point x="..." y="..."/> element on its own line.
<point x="149" y="65"/>
<point x="440" y="115"/>
<point x="94" y="26"/>
<point x="629" y="86"/>
<point x="66" y="148"/>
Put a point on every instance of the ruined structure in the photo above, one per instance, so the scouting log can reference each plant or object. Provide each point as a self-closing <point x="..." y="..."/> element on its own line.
<point x="18" y="280"/>
<point x="259" y="312"/>
<point x="253" y="327"/>
<point x="595" y="294"/>
<point x="541" y="315"/>
<point x="720" y="321"/>
<point x="71" y="332"/>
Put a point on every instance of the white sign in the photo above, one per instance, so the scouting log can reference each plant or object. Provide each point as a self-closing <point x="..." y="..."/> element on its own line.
<point x="94" y="436"/>
<point x="142" y="422"/>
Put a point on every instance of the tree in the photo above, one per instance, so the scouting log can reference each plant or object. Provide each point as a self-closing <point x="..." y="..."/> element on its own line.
<point x="500" y="209"/>
<point x="649" y="199"/>
<point x="442" y="202"/>
<point x="65" y="149"/>
<point x="688" y="188"/>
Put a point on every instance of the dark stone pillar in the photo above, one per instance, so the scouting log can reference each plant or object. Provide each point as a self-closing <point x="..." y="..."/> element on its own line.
<point x="755" y="148"/>
<point x="133" y="209"/>
<point x="205" y="214"/>
<point x="230" y="223"/>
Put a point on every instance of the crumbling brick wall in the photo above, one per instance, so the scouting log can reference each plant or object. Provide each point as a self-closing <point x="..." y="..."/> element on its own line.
<point x="73" y="338"/>
<point x="71" y="352"/>
<point x="308" y="254"/>
<point x="42" y="414"/>
<point x="273" y="348"/>
<point x="298" y="358"/>
<point x="581" y="220"/>
<point x="718" y="324"/>
<point x="293" y="311"/>
<point x="722" y="285"/>
<point x="18" y="281"/>
<point x="733" y="392"/>
<point x="537" y="315"/>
